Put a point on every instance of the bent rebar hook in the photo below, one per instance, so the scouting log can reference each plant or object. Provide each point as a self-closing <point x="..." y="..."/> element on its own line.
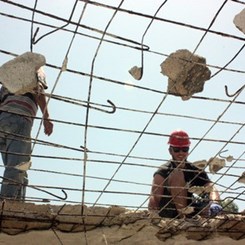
<point x="36" y="188"/>
<point x="237" y="92"/>
<point x="59" y="197"/>
<point x="99" y="109"/>
<point x="81" y="103"/>
<point x="110" y="112"/>
<point x="221" y="153"/>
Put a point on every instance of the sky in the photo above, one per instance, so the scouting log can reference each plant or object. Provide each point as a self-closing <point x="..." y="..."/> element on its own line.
<point x="126" y="147"/>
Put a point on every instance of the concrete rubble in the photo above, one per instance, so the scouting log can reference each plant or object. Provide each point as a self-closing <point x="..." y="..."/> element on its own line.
<point x="110" y="225"/>
<point x="136" y="72"/>
<point x="242" y="178"/>
<point x="215" y="164"/>
<point x="186" y="73"/>
<point x="239" y="21"/>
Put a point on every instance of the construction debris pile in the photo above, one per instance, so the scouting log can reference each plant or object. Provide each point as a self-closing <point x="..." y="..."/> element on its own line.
<point x="116" y="225"/>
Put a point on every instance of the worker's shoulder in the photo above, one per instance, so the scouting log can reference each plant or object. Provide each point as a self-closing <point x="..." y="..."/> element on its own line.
<point x="190" y="165"/>
<point x="165" y="165"/>
<point x="164" y="168"/>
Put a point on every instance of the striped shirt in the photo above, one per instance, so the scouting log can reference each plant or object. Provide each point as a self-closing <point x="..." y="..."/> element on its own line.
<point x="19" y="104"/>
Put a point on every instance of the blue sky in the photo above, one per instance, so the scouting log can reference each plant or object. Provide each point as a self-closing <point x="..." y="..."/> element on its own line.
<point x="117" y="147"/>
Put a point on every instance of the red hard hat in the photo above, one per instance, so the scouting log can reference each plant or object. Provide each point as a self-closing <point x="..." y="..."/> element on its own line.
<point x="179" y="138"/>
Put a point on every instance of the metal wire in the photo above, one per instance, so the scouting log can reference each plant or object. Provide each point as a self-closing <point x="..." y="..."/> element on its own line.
<point x="119" y="160"/>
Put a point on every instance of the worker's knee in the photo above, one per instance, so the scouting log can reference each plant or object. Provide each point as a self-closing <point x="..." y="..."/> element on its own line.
<point x="14" y="184"/>
<point x="176" y="178"/>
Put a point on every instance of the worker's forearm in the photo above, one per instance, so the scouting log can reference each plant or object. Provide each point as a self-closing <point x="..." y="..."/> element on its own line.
<point x="214" y="196"/>
<point x="41" y="100"/>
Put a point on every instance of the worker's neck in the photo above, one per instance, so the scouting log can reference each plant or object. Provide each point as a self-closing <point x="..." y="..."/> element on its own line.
<point x="178" y="164"/>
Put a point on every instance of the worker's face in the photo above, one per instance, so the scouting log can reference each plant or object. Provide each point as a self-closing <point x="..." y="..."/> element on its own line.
<point x="179" y="153"/>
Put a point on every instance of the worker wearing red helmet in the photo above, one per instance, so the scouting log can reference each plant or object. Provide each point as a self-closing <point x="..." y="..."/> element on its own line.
<point x="169" y="193"/>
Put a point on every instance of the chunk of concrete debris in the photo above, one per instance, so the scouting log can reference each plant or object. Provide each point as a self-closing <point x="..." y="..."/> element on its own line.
<point x="64" y="65"/>
<point x="229" y="158"/>
<point x="242" y="178"/>
<point x="136" y="72"/>
<point x="215" y="164"/>
<point x="239" y="21"/>
<point x="186" y="73"/>
<point x="200" y="164"/>
<point x="200" y="189"/>
<point x="19" y="74"/>
<point x="187" y="210"/>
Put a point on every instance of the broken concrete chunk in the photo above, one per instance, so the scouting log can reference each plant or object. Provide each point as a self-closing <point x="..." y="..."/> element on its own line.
<point x="229" y="158"/>
<point x="187" y="210"/>
<point x="186" y="73"/>
<point x="215" y="164"/>
<point x="136" y="72"/>
<point x="239" y="21"/>
<point x="200" y="189"/>
<point x="242" y="178"/>
<point x="19" y="74"/>
<point x="200" y="164"/>
<point x="64" y="65"/>
<point x="196" y="189"/>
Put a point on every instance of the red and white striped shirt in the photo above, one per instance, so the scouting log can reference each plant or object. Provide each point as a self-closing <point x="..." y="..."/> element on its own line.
<point x="19" y="104"/>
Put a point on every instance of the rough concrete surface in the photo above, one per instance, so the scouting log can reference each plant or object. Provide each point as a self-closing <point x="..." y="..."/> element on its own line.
<point x="239" y="21"/>
<point x="19" y="74"/>
<point x="186" y="73"/>
<point x="27" y="223"/>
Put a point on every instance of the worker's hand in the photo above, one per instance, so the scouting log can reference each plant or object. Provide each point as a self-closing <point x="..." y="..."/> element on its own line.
<point x="48" y="126"/>
<point x="214" y="209"/>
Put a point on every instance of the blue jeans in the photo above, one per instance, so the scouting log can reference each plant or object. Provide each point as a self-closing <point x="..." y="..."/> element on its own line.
<point x="14" y="181"/>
